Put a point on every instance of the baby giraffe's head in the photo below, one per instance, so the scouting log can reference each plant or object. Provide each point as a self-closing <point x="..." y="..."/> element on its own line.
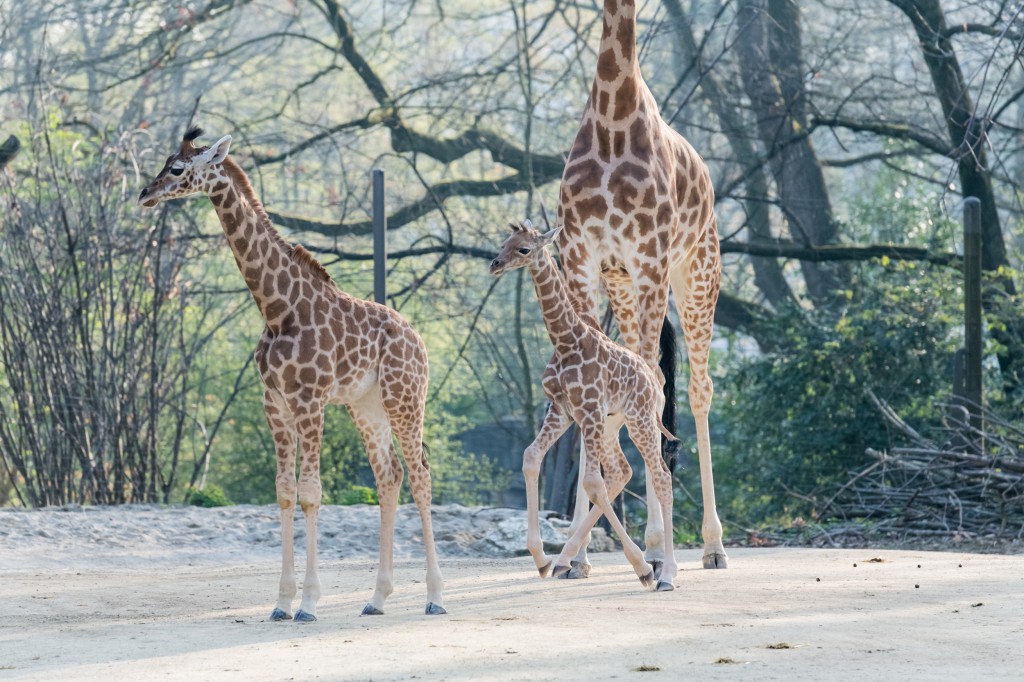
<point x="521" y="248"/>
<point x="190" y="170"/>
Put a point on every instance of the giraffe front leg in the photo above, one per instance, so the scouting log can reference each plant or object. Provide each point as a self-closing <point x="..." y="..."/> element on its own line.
<point x="310" y="495"/>
<point x="282" y="427"/>
<point x="555" y="424"/>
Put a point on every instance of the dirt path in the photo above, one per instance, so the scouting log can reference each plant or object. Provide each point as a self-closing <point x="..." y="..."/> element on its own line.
<point x="792" y="614"/>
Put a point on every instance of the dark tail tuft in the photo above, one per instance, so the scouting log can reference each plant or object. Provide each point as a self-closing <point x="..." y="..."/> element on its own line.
<point x="667" y="363"/>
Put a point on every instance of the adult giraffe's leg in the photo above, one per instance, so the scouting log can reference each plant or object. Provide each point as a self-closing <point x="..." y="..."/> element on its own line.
<point x="555" y="424"/>
<point x="695" y="284"/>
<point x="282" y="427"/>
<point x="310" y="428"/>
<point x="625" y="306"/>
<point x="372" y="422"/>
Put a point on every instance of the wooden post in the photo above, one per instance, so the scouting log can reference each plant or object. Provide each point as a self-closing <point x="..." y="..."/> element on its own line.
<point x="972" y="309"/>
<point x="380" y="239"/>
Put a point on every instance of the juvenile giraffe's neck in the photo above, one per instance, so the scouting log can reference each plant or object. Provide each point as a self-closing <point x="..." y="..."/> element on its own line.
<point x="617" y="83"/>
<point x="263" y="257"/>
<point x="564" y="326"/>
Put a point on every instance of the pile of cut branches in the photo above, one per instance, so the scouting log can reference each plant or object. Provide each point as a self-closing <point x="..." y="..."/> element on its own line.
<point x="968" y="483"/>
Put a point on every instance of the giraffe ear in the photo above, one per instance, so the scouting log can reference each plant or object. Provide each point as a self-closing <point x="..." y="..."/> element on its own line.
<point x="218" y="151"/>
<point x="549" y="237"/>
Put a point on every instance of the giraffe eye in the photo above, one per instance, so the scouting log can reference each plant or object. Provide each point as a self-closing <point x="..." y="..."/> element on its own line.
<point x="524" y="251"/>
<point x="177" y="171"/>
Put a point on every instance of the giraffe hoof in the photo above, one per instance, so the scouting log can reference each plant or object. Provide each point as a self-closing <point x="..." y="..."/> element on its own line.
<point x="579" y="571"/>
<point x="280" y="614"/>
<point x="656" y="564"/>
<point x="664" y="586"/>
<point x="435" y="609"/>
<point x="545" y="570"/>
<point x="716" y="560"/>
<point x="560" y="572"/>
<point x="647" y="580"/>
<point x="371" y="610"/>
<point x="304" y="617"/>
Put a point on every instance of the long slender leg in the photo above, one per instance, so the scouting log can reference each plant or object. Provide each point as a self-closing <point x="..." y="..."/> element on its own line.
<point x="282" y="427"/>
<point x="623" y="298"/>
<point x="555" y="424"/>
<point x="695" y="285"/>
<point x="617" y="474"/>
<point x="310" y="429"/>
<point x="403" y="385"/>
<point x="643" y="430"/>
<point x="372" y="423"/>
<point x="592" y="427"/>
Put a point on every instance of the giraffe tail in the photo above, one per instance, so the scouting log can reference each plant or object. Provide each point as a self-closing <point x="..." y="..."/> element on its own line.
<point x="667" y="364"/>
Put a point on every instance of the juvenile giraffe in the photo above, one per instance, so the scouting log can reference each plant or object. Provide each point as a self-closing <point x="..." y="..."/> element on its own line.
<point x="636" y="207"/>
<point x="319" y="346"/>
<point x="600" y="385"/>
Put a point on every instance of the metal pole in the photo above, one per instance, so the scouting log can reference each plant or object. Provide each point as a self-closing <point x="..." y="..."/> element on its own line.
<point x="380" y="239"/>
<point x="972" y="308"/>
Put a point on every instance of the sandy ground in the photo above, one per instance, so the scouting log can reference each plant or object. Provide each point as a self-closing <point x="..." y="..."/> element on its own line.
<point x="146" y="592"/>
<point x="793" y="614"/>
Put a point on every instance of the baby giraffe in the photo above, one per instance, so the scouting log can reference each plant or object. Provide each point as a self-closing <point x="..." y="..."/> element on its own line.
<point x="601" y="386"/>
<point x="319" y="346"/>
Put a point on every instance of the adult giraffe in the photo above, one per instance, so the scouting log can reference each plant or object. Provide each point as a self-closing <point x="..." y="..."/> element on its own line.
<point x="636" y="208"/>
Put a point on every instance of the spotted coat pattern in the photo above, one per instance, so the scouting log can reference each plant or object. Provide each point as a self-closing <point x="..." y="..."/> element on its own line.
<point x="636" y="207"/>
<point x="319" y="346"/>
<point x="600" y="385"/>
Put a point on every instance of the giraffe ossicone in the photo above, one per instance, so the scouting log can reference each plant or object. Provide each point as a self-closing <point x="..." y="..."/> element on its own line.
<point x="601" y="386"/>
<point x="319" y="346"/>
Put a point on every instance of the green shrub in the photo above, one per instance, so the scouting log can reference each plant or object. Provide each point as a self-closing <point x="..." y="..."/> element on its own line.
<point x="357" y="494"/>
<point x="210" y="496"/>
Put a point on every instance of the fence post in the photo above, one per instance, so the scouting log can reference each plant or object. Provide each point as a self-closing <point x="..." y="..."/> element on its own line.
<point x="380" y="239"/>
<point x="972" y="310"/>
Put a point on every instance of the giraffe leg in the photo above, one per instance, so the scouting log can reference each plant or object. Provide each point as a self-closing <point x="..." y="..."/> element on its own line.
<point x="643" y="431"/>
<point x="282" y="428"/>
<point x="593" y="433"/>
<point x="404" y="395"/>
<point x="555" y="424"/>
<point x="310" y="430"/>
<point x="617" y="474"/>
<point x="583" y="279"/>
<point x="372" y="423"/>
<point x="640" y="329"/>
<point x="419" y="482"/>
<point x="695" y="286"/>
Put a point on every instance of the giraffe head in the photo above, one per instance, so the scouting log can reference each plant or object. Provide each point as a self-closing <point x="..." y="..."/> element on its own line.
<point x="523" y="246"/>
<point x="191" y="170"/>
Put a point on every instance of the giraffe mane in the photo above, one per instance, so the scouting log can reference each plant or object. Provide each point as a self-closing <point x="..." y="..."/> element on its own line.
<point x="298" y="254"/>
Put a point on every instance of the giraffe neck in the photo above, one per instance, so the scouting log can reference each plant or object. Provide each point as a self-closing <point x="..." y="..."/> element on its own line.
<point x="564" y="326"/>
<point x="617" y="83"/>
<point x="263" y="258"/>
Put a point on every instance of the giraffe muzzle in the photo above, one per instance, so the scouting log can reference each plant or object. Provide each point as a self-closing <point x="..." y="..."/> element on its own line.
<point x="496" y="266"/>
<point x="143" y="201"/>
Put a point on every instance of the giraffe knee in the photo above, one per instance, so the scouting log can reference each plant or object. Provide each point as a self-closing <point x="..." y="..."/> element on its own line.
<point x="531" y="462"/>
<point x="286" y="489"/>
<point x="595" y="488"/>
<point x="310" y="494"/>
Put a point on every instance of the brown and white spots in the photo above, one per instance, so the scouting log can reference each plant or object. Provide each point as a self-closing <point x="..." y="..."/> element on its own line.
<point x="601" y="386"/>
<point x="319" y="346"/>
<point x="656" y="218"/>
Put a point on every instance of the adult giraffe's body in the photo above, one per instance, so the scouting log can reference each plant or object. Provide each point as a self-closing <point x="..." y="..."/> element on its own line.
<point x="636" y="208"/>
<point x="319" y="346"/>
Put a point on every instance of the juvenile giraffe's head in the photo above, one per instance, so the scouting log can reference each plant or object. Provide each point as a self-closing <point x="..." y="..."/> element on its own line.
<point x="188" y="171"/>
<point x="523" y="246"/>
